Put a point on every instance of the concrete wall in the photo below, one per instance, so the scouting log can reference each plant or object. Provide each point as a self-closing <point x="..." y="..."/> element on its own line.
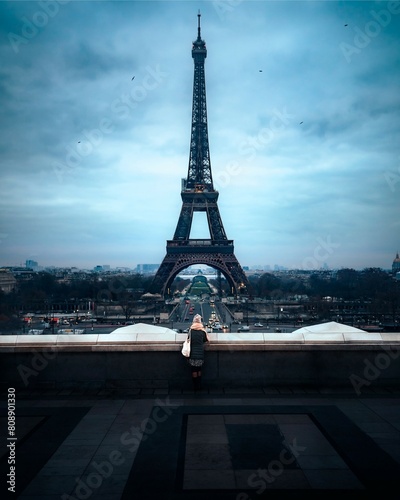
<point x="353" y="366"/>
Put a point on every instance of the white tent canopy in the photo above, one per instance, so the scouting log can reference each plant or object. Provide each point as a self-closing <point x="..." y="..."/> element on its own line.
<point x="329" y="328"/>
<point x="142" y="328"/>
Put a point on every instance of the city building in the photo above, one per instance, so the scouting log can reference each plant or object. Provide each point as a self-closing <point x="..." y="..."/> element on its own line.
<point x="147" y="268"/>
<point x="32" y="264"/>
<point x="7" y="281"/>
<point x="396" y="264"/>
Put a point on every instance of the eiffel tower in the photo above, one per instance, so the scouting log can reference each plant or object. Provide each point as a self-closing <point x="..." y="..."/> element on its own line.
<point x="198" y="195"/>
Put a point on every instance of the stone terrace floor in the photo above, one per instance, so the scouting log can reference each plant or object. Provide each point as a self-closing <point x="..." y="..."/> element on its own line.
<point x="228" y="444"/>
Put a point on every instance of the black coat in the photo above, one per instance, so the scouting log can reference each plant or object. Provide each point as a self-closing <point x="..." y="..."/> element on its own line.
<point x="197" y="339"/>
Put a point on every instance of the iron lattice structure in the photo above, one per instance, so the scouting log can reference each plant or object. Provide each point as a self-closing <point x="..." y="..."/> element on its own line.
<point x="198" y="195"/>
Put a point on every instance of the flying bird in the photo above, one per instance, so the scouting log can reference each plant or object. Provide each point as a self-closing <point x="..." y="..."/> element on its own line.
<point x="79" y="142"/>
<point x="301" y="123"/>
<point x="346" y="24"/>
<point x="260" y="70"/>
<point x="132" y="78"/>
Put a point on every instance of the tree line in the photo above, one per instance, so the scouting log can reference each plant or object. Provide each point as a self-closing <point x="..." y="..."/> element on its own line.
<point x="44" y="291"/>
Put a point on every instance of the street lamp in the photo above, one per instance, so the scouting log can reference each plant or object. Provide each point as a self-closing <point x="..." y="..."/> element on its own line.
<point x="280" y="311"/>
<point x="52" y="318"/>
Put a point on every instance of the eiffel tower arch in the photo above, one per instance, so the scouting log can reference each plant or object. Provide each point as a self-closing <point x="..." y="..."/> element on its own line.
<point x="198" y="195"/>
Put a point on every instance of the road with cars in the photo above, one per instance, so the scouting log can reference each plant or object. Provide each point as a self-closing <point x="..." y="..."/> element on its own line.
<point x="217" y="318"/>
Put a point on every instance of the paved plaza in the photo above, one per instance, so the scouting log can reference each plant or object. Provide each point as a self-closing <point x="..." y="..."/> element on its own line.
<point x="228" y="444"/>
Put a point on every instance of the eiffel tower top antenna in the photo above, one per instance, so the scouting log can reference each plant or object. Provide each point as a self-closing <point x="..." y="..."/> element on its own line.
<point x="198" y="26"/>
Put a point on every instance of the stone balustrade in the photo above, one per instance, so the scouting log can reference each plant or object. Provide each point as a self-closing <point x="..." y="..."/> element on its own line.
<point x="355" y="361"/>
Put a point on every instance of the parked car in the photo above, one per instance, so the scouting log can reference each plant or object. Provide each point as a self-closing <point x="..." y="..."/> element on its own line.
<point x="258" y="325"/>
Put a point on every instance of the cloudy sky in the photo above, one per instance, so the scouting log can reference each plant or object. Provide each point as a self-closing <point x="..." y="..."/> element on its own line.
<point x="303" y="115"/>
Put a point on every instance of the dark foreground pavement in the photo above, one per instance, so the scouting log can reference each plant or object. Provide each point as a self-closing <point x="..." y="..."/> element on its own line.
<point x="228" y="444"/>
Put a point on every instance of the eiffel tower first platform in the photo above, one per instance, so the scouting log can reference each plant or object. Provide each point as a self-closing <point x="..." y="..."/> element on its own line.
<point x="198" y="195"/>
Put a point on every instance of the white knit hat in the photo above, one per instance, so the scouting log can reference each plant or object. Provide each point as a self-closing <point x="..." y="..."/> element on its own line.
<point x="197" y="318"/>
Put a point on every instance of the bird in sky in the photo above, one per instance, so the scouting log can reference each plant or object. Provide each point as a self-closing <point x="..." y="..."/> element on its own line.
<point x="132" y="78"/>
<point x="260" y="70"/>
<point x="301" y="123"/>
<point x="346" y="24"/>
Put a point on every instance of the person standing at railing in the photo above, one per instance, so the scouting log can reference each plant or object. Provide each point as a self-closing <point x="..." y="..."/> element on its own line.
<point x="198" y="336"/>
